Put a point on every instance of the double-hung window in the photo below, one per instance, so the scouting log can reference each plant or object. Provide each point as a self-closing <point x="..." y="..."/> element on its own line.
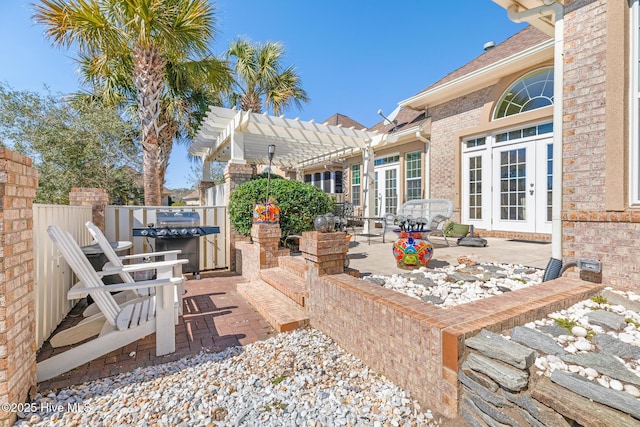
<point x="413" y="168"/>
<point x="355" y="185"/>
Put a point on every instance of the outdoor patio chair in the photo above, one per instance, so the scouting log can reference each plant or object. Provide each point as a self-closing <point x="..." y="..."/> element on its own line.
<point x="116" y="261"/>
<point x="121" y="325"/>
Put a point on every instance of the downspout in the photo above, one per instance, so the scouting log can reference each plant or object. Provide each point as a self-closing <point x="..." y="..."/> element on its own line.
<point x="427" y="163"/>
<point x="557" y="10"/>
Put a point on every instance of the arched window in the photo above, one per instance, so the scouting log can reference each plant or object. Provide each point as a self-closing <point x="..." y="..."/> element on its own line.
<point x="533" y="90"/>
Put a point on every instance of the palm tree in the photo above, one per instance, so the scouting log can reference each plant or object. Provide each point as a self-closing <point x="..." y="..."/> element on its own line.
<point x="141" y="35"/>
<point x="261" y="79"/>
<point x="192" y="87"/>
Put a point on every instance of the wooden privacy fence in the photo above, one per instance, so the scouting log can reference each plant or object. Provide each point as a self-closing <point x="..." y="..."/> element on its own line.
<point x="214" y="252"/>
<point x="52" y="276"/>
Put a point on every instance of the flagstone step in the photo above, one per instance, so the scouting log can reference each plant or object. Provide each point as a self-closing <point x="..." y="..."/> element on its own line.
<point x="289" y="284"/>
<point x="281" y="312"/>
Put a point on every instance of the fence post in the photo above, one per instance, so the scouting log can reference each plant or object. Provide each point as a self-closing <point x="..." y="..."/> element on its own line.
<point x="234" y="175"/>
<point x="97" y="198"/>
<point x="18" y="183"/>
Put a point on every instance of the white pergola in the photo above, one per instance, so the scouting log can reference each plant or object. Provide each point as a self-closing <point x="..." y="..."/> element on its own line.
<point x="235" y="136"/>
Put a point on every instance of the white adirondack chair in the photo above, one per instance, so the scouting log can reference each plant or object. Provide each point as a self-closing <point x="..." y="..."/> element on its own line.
<point x="121" y="325"/>
<point x="116" y="262"/>
<point x="94" y="318"/>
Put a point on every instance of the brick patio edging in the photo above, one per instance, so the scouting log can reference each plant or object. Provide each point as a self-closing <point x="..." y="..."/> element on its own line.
<point x="416" y="345"/>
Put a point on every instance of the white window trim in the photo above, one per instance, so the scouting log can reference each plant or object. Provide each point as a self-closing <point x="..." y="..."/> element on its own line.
<point x="634" y="110"/>
<point x="418" y="178"/>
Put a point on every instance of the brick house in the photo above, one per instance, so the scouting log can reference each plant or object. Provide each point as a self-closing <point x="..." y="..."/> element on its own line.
<point x="599" y="41"/>
<point x="486" y="136"/>
<point x="443" y="139"/>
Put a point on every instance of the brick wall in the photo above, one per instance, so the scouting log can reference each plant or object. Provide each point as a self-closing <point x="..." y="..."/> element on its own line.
<point x="591" y="228"/>
<point x="18" y="183"/>
<point x="584" y="106"/>
<point x="416" y="345"/>
<point x="97" y="198"/>
<point x="234" y="175"/>
<point x="262" y="253"/>
<point x="448" y="119"/>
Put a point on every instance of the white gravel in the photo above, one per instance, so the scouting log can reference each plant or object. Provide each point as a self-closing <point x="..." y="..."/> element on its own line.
<point x="578" y="341"/>
<point x="301" y="378"/>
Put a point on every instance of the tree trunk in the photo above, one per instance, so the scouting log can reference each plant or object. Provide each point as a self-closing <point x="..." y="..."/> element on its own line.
<point x="150" y="159"/>
<point x="148" y="74"/>
<point x="165" y="145"/>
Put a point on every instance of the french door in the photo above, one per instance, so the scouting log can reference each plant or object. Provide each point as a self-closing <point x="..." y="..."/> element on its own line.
<point x="522" y="187"/>
<point x="507" y="187"/>
<point x="386" y="189"/>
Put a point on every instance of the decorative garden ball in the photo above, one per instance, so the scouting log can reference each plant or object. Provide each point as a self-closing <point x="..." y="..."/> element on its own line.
<point x="411" y="251"/>
<point x="321" y="224"/>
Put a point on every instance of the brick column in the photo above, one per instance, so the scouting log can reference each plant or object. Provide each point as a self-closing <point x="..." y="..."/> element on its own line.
<point x="18" y="183"/>
<point x="234" y="175"/>
<point x="325" y="252"/>
<point x="262" y="253"/>
<point x="97" y="198"/>
<point x="203" y="186"/>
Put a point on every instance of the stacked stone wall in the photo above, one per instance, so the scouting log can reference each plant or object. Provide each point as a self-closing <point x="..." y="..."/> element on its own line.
<point x="419" y="346"/>
<point x="500" y="386"/>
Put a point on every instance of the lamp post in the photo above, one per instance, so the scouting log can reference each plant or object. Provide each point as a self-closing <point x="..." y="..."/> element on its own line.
<point x="272" y="152"/>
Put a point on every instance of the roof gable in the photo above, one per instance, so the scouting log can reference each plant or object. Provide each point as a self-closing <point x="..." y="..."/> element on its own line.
<point x="522" y="40"/>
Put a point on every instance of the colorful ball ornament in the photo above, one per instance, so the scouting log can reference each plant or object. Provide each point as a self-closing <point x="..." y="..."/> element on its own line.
<point x="411" y="251"/>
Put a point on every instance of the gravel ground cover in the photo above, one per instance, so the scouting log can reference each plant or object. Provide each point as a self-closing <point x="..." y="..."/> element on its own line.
<point x="301" y="378"/>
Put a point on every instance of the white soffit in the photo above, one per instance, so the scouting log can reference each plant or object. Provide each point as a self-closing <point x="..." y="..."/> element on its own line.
<point x="298" y="143"/>
<point x="543" y="23"/>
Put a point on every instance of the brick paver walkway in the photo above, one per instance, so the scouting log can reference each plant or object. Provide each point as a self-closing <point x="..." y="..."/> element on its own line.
<point x="215" y="317"/>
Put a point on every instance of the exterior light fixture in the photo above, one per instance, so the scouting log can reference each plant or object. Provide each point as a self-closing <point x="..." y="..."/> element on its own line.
<point x="271" y="152"/>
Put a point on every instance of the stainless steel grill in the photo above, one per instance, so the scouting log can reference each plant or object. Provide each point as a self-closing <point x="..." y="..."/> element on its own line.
<point x="178" y="230"/>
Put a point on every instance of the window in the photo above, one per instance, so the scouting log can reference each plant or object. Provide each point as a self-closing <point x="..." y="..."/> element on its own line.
<point x="317" y="178"/>
<point x="307" y="178"/>
<point x="475" y="142"/>
<point x="355" y="185"/>
<point x="413" y="171"/>
<point x="326" y="182"/>
<point x="635" y="105"/>
<point x="475" y="187"/>
<point x="532" y="91"/>
<point x="338" y="184"/>
<point x="386" y="160"/>
<point x="524" y="133"/>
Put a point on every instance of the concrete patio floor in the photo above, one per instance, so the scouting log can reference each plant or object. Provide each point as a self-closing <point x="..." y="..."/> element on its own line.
<point x="374" y="257"/>
<point x="216" y="316"/>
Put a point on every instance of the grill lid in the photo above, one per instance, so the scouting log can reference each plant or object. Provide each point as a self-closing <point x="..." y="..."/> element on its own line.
<point x="177" y="219"/>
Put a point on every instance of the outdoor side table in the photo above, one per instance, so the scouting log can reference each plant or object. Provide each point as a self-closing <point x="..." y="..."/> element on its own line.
<point x="98" y="259"/>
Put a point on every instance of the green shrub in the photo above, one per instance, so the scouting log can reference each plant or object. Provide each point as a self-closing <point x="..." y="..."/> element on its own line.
<point x="299" y="204"/>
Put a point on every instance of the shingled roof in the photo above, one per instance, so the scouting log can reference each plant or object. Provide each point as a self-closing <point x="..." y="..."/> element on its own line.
<point x="524" y="39"/>
<point x="405" y="118"/>
<point x="344" y="121"/>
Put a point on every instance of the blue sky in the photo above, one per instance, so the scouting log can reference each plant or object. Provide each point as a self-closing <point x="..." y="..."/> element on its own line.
<point x="354" y="57"/>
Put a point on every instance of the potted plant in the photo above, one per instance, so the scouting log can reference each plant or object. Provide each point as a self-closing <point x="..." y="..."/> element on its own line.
<point x="453" y="229"/>
<point x="267" y="212"/>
